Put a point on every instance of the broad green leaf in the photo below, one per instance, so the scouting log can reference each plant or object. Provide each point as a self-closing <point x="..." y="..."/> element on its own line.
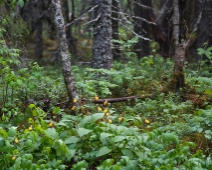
<point x="51" y="132"/>
<point x="103" y="151"/>
<point x="91" y="118"/>
<point x="104" y="136"/>
<point x="71" y="139"/>
<point x="71" y="153"/>
<point x="56" y="110"/>
<point x="199" y="130"/>
<point x="118" y="138"/>
<point x="3" y="63"/>
<point x="128" y="153"/>
<point x="21" y="3"/>
<point x="83" y="131"/>
<point x="107" y="163"/>
<point x="20" y="82"/>
<point x="17" y="164"/>
<point x="143" y="138"/>
<point x="12" y="131"/>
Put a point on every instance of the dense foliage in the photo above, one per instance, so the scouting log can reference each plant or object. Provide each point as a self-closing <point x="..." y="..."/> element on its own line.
<point x="159" y="129"/>
<point x="160" y="132"/>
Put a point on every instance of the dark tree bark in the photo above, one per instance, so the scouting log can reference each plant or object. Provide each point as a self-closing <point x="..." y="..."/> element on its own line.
<point x="115" y="26"/>
<point x="179" y="33"/>
<point x="66" y="65"/>
<point x="204" y="31"/>
<point x="38" y="40"/>
<point x="102" y="40"/>
<point x="38" y="30"/>
<point x="141" y="27"/>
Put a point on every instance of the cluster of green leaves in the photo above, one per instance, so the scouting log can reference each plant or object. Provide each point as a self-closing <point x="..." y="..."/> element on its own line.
<point x="148" y="134"/>
<point x="32" y="145"/>
<point x="92" y="141"/>
<point x="124" y="79"/>
<point x="91" y="82"/>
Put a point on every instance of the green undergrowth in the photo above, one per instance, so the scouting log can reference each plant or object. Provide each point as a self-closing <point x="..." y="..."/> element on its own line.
<point x="163" y="131"/>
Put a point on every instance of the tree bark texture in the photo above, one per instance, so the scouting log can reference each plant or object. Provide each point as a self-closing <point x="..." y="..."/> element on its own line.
<point x="38" y="40"/>
<point x="102" y="40"/>
<point x="204" y="31"/>
<point x="141" y="27"/>
<point x="38" y="30"/>
<point x="115" y="26"/>
<point x="179" y="40"/>
<point x="66" y="64"/>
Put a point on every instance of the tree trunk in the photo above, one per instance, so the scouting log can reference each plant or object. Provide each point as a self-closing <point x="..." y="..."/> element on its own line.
<point x="38" y="30"/>
<point x="102" y="40"/>
<point x="66" y="18"/>
<point x="70" y="39"/>
<point x="66" y="64"/>
<point x="141" y="27"/>
<point x="115" y="26"/>
<point x="179" y="40"/>
<point x="204" y="30"/>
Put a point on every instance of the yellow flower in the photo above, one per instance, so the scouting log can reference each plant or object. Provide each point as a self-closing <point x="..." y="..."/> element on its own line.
<point x="105" y="103"/>
<point x="96" y="97"/>
<point x="106" y="111"/>
<point x="120" y="118"/>
<point x="73" y="108"/>
<point x="99" y="109"/>
<point x="13" y="158"/>
<point x="51" y="124"/>
<point x="30" y="128"/>
<point x="16" y="140"/>
<point x="147" y="121"/>
<point x="75" y="100"/>
<point x="110" y="120"/>
<point x="107" y="114"/>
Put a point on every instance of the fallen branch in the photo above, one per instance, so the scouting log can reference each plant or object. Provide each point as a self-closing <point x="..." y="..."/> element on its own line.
<point x="121" y="99"/>
<point x="112" y="100"/>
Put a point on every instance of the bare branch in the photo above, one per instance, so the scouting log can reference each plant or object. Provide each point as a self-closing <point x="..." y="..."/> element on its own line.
<point x="94" y="20"/>
<point x="139" y="36"/>
<point x="90" y="9"/>
<point x="147" y="7"/>
<point x="163" y="10"/>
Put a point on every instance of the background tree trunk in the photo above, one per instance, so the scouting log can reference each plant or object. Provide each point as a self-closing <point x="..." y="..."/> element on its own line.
<point x="204" y="31"/>
<point x="179" y="32"/>
<point x="38" y="30"/>
<point x="66" y="64"/>
<point x="141" y="27"/>
<point x="102" y="40"/>
<point x="115" y="26"/>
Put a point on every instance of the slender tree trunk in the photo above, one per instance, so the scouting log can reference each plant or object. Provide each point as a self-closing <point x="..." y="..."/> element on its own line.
<point x="115" y="26"/>
<point x="141" y="27"/>
<point x="179" y="39"/>
<point x="38" y="40"/>
<point x="70" y="39"/>
<point x="38" y="30"/>
<point x="66" y="18"/>
<point x="102" y="40"/>
<point x="66" y="64"/>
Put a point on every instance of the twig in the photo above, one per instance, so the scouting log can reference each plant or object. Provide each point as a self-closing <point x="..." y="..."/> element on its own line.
<point x="111" y="100"/>
<point x="94" y="20"/>
<point x="80" y="16"/>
